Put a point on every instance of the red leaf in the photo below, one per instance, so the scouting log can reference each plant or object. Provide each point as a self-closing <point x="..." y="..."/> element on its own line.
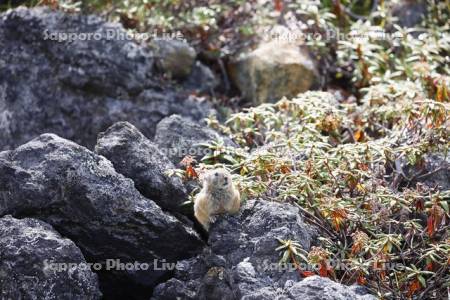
<point x="323" y="271"/>
<point x="361" y="280"/>
<point x="413" y="287"/>
<point x="308" y="273"/>
<point x="358" y="135"/>
<point x="420" y="204"/>
<point x="430" y="225"/>
<point x="278" y="5"/>
<point x="190" y="172"/>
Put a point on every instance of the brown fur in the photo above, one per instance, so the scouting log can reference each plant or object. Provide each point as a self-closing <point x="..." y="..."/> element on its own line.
<point x="218" y="196"/>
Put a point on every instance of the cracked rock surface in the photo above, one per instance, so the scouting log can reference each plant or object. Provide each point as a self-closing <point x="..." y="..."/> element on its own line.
<point x="82" y="196"/>
<point x="242" y="263"/>
<point x="28" y="249"/>
<point x="178" y="137"/>
<point x="136" y="157"/>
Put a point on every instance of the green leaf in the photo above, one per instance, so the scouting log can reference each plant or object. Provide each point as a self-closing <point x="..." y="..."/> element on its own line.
<point x="285" y="256"/>
<point x="444" y="205"/>
<point x="422" y="280"/>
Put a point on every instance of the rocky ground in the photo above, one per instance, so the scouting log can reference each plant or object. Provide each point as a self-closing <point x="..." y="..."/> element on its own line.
<point x="88" y="131"/>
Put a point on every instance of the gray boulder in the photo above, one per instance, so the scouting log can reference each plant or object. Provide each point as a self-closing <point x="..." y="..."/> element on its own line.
<point x="242" y="261"/>
<point x="409" y="13"/>
<point x="273" y="70"/>
<point x="81" y="195"/>
<point x="433" y="173"/>
<point x="174" y="57"/>
<point x="32" y="256"/>
<point x="320" y="288"/>
<point x="134" y="156"/>
<point x="76" y="75"/>
<point x="177" y="137"/>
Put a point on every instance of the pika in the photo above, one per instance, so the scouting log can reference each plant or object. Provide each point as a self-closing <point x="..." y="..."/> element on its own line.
<point x="218" y="196"/>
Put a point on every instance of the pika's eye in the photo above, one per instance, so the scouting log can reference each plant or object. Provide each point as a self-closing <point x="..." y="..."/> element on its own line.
<point x="216" y="174"/>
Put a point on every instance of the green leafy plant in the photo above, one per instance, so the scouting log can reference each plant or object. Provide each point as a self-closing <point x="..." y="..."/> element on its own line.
<point x="375" y="216"/>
